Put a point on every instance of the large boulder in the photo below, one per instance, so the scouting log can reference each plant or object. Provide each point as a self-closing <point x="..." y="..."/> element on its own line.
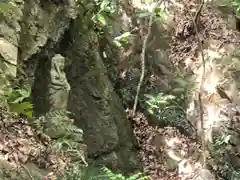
<point x="96" y="106"/>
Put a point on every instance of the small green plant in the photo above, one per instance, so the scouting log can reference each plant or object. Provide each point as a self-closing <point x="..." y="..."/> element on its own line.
<point x="15" y="100"/>
<point x="169" y="110"/>
<point x="122" y="39"/>
<point x="106" y="9"/>
<point x="109" y="175"/>
<point x="5" y="6"/>
<point x="230" y="4"/>
<point x="220" y="153"/>
<point x="236" y="5"/>
<point x="156" y="103"/>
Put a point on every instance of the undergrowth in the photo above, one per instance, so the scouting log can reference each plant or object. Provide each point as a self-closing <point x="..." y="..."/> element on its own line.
<point x="220" y="152"/>
<point x="103" y="173"/>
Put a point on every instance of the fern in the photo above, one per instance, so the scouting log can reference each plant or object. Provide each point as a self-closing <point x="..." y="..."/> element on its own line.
<point x="112" y="176"/>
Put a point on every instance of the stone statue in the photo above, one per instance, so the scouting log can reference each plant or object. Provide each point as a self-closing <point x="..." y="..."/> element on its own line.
<point x="54" y="120"/>
<point x="58" y="87"/>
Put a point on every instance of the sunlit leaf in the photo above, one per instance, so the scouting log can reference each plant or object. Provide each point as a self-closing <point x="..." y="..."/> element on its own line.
<point x="148" y="96"/>
<point x="227" y="139"/>
<point x="17" y="100"/>
<point x="181" y="82"/>
<point x="162" y="101"/>
<point x="144" y="14"/>
<point x="5" y="7"/>
<point x="117" y="43"/>
<point x="104" y="4"/>
<point x="124" y="37"/>
<point x="176" y="90"/>
<point x="29" y="114"/>
<point x="101" y="19"/>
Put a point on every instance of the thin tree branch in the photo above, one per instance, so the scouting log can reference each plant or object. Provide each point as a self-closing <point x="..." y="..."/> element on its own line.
<point x="142" y="63"/>
<point x="195" y="24"/>
<point x="27" y="171"/>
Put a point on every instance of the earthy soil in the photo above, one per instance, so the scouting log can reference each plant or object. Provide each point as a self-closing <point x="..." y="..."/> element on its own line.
<point x="21" y="143"/>
<point x="152" y="149"/>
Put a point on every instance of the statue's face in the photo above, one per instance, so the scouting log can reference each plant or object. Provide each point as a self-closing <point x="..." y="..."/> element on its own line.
<point x="60" y="63"/>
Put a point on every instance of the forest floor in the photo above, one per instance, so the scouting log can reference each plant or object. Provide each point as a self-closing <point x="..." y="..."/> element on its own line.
<point x="184" y="49"/>
<point x="154" y="148"/>
<point x="20" y="144"/>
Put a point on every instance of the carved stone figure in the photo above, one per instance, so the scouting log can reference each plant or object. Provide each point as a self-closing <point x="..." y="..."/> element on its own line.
<point x="58" y="87"/>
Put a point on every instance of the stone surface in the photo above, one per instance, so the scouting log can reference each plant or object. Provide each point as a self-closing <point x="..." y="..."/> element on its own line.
<point x="35" y="31"/>
<point x="96" y="107"/>
<point x="42" y="21"/>
<point x="58" y="87"/>
<point x="9" y="54"/>
<point x="10" y="27"/>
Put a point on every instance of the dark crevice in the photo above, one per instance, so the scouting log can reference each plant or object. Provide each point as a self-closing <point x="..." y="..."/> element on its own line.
<point x="237" y="24"/>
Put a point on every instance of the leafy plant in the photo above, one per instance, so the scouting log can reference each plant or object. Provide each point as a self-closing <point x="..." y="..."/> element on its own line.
<point x="109" y="175"/>
<point x="5" y="6"/>
<point x="106" y="9"/>
<point x="15" y="100"/>
<point x="122" y="39"/>
<point x="236" y="5"/>
<point x="231" y="4"/>
<point x="220" y="152"/>
<point x="168" y="110"/>
<point x="158" y="102"/>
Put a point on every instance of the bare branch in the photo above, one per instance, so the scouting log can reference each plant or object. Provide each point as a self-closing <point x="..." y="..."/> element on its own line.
<point x="145" y="41"/>
<point x="195" y="20"/>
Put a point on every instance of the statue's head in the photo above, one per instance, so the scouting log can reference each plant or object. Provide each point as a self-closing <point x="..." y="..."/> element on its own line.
<point x="59" y="61"/>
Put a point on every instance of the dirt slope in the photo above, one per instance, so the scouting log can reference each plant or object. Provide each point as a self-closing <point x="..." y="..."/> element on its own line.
<point x="184" y="48"/>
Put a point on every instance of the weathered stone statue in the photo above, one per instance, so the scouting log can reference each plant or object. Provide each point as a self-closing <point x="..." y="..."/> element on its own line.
<point x="58" y="87"/>
<point x="52" y="90"/>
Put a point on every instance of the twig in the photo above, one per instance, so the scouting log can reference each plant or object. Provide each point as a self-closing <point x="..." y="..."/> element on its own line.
<point x="195" y="21"/>
<point x="197" y="14"/>
<point x="142" y="63"/>
<point x="29" y="174"/>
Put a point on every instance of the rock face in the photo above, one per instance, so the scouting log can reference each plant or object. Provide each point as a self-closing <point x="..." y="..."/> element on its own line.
<point x="96" y="107"/>
<point x="36" y="33"/>
<point x="42" y="21"/>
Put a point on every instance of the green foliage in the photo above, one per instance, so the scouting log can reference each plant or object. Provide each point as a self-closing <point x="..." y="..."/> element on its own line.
<point x="122" y="39"/>
<point x="236" y="5"/>
<point x="15" y="101"/>
<point x="7" y="9"/>
<point x="157" y="12"/>
<point x="69" y="139"/>
<point x="169" y="107"/>
<point x="14" y="97"/>
<point x="5" y="6"/>
<point x="98" y="173"/>
<point x="112" y="176"/>
<point x="103" y="173"/>
<point x="106" y="9"/>
<point x="232" y="4"/>
<point x="155" y="103"/>
<point x="220" y="154"/>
